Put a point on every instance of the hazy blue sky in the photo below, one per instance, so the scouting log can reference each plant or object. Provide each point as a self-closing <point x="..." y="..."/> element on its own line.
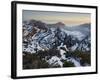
<point x="68" y="18"/>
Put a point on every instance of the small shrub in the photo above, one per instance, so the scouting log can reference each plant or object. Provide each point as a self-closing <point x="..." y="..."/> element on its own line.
<point x="68" y="64"/>
<point x="84" y="56"/>
<point x="33" y="61"/>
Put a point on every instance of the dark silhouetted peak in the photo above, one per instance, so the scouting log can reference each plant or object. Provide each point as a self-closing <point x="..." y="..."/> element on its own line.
<point x="60" y="24"/>
<point x="38" y="24"/>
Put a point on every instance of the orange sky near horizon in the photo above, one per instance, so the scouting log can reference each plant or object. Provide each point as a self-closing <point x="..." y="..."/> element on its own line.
<point x="68" y="18"/>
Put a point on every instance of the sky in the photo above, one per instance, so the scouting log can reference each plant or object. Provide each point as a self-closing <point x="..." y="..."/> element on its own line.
<point x="50" y="17"/>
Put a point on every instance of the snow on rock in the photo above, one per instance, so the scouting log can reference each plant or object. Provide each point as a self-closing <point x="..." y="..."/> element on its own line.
<point x="55" y="60"/>
<point x="74" y="47"/>
<point x="76" y="63"/>
<point x="26" y="32"/>
<point x="62" y="54"/>
<point x="77" y="34"/>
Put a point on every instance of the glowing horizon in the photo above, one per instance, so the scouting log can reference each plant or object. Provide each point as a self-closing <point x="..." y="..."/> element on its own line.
<point x="68" y="18"/>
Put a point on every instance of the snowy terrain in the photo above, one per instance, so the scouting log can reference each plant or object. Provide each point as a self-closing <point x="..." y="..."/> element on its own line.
<point x="38" y="36"/>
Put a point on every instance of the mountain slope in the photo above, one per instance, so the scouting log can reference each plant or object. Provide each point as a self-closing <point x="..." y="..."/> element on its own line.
<point x="54" y="42"/>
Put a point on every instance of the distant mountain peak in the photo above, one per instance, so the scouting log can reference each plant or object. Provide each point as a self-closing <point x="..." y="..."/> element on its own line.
<point x="60" y="24"/>
<point x="85" y="25"/>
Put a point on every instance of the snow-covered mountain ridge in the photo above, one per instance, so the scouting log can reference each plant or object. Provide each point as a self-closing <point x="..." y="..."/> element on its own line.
<point x="39" y="36"/>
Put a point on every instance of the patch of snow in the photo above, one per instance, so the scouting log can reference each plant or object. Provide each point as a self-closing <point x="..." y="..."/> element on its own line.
<point x="76" y="63"/>
<point x="66" y="48"/>
<point x="77" y="34"/>
<point x="26" y="33"/>
<point x="55" y="60"/>
<point x="60" y="46"/>
<point x="74" y="47"/>
<point x="62" y="54"/>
